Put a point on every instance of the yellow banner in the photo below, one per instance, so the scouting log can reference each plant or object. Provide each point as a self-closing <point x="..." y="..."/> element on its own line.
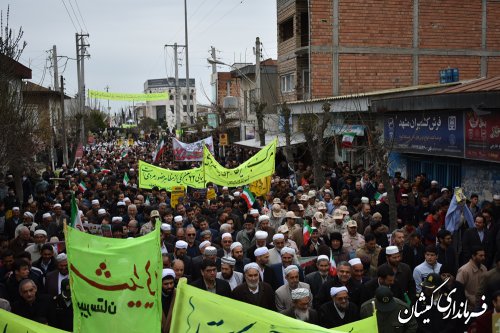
<point x="256" y="167"/>
<point x="177" y="192"/>
<point x="151" y="175"/>
<point x="128" y="97"/>
<point x="261" y="186"/>
<point x="11" y="323"/>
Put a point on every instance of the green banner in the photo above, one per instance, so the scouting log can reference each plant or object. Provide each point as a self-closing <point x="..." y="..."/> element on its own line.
<point x="197" y="310"/>
<point x="151" y="175"/>
<point x="128" y="97"/>
<point x="256" y="167"/>
<point x="115" y="286"/>
<point x="11" y="323"/>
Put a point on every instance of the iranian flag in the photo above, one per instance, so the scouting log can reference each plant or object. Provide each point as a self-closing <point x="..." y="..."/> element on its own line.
<point x="125" y="179"/>
<point x="306" y="232"/>
<point x="75" y="222"/>
<point x="347" y="140"/>
<point x="248" y="197"/>
<point x="333" y="265"/>
<point x="81" y="187"/>
<point x="124" y="154"/>
<point x="159" y="150"/>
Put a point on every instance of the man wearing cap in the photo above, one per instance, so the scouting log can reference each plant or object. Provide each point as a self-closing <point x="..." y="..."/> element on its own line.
<point x="226" y="240"/>
<point x="238" y="254"/>
<point x="318" y="278"/>
<point x="405" y="212"/>
<point x="28" y="219"/>
<point x="208" y="280"/>
<point x="149" y="226"/>
<point x="247" y="236"/>
<point x="389" y="308"/>
<point x="283" y="294"/>
<point x="253" y="290"/>
<point x="167" y="297"/>
<point x="180" y="254"/>
<point x="403" y="272"/>
<point x="40" y="238"/>
<point x="358" y="271"/>
<point x="294" y="229"/>
<point x="267" y="274"/>
<point x="12" y="223"/>
<point x="92" y="214"/>
<point x="287" y="258"/>
<point x="207" y="252"/>
<point x="300" y="308"/>
<point x="363" y="217"/>
<point x="54" y="278"/>
<point x="339" y="311"/>
<point x="276" y="215"/>
<point x="311" y="207"/>
<point x="369" y="254"/>
<point x="352" y="239"/>
<point x="49" y="226"/>
<point x="311" y="248"/>
<point x="228" y="274"/>
<point x="337" y="224"/>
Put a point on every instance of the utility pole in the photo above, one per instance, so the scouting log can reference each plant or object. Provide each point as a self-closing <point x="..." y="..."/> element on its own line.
<point x="63" y="117"/>
<point x="178" y="104"/>
<point x="81" y="50"/>
<point x="259" y="107"/>
<point x="188" y="102"/>
<point x="107" y="90"/>
<point x="52" y="111"/>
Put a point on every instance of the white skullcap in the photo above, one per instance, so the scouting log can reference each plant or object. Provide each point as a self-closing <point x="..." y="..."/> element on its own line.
<point x="101" y="211"/>
<point x="260" y="251"/>
<point x="263" y="218"/>
<point x="225" y="188"/>
<point x="57" y="205"/>
<point x="40" y="232"/>
<point x="434" y="182"/>
<point x="365" y="200"/>
<point x="259" y="234"/>
<point x="391" y="250"/>
<point x="251" y="265"/>
<point x="300" y="293"/>
<point x="117" y="219"/>
<point x="126" y="199"/>
<point x="253" y="211"/>
<point x="210" y="251"/>
<point x="226" y="234"/>
<point x="165" y="227"/>
<point x="28" y="214"/>
<point x="290" y="268"/>
<point x="496" y="197"/>
<point x="203" y="244"/>
<point x="61" y="257"/>
<point x="167" y="272"/>
<point x="355" y="261"/>
<point x="278" y="236"/>
<point x="334" y="291"/>
<point x="16" y="208"/>
<point x="46" y="215"/>
<point x="323" y="257"/>
<point x="121" y="203"/>
<point x="288" y="250"/>
<point x="236" y="194"/>
<point x="95" y="202"/>
<point x="235" y="245"/>
<point x="180" y="244"/>
<point x="228" y="260"/>
<point x="178" y="218"/>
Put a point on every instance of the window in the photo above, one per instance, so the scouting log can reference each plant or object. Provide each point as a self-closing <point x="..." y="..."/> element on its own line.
<point x="172" y="109"/>
<point x="286" y="82"/>
<point x="286" y="29"/>
<point x="184" y="97"/>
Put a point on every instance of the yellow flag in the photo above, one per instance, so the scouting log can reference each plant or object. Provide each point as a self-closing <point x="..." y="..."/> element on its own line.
<point x="261" y="186"/>
<point x="11" y="323"/>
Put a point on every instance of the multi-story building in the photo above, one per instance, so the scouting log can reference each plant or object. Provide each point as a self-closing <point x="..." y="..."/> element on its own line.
<point x="360" y="46"/>
<point x="164" y="111"/>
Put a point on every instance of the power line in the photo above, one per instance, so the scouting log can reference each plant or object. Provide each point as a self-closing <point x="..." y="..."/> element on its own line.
<point x="67" y="11"/>
<point x="81" y="16"/>
<point x="76" y="17"/>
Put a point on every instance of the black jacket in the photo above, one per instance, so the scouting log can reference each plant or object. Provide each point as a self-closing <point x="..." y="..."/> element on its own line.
<point x="329" y="317"/>
<point x="222" y="288"/>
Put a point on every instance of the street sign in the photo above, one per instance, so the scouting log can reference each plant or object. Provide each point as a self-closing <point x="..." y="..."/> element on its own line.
<point x="223" y="140"/>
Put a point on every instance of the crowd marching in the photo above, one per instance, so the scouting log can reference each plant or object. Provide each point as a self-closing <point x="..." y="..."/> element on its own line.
<point x="320" y="253"/>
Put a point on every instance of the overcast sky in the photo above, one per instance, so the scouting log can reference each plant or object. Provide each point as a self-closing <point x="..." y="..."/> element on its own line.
<point x="127" y="38"/>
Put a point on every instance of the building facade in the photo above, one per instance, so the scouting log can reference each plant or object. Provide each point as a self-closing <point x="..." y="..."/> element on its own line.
<point x="358" y="46"/>
<point x="164" y="111"/>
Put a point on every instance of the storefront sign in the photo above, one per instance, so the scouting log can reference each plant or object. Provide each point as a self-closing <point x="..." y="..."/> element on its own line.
<point x="482" y="136"/>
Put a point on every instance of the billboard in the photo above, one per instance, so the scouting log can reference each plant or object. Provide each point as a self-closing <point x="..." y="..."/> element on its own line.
<point x="482" y="136"/>
<point x="426" y="132"/>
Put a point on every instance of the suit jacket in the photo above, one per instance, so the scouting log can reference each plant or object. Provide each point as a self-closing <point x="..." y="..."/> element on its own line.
<point x="313" y="315"/>
<point x="51" y="280"/>
<point x="278" y="272"/>
<point x="368" y="290"/>
<point x="196" y="266"/>
<point x="188" y="263"/>
<point x="283" y="296"/>
<point x="410" y="258"/>
<point x="315" y="281"/>
<point x="271" y="278"/>
<point x="264" y="298"/>
<point x="329" y="317"/>
<point x="471" y="239"/>
<point x="222" y="288"/>
<point x="323" y="295"/>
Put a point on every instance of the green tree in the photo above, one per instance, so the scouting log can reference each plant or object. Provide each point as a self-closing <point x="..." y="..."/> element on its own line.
<point x="147" y="124"/>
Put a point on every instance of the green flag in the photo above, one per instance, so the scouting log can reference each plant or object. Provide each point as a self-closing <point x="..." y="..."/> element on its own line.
<point x="125" y="179"/>
<point x="115" y="287"/>
<point x="75" y="221"/>
<point x="11" y="323"/>
<point x="196" y="310"/>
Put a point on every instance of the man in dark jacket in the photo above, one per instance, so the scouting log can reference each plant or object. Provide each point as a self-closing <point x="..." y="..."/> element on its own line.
<point x="339" y="311"/>
<point x="208" y="280"/>
<point x="300" y="310"/>
<point x="61" y="310"/>
<point x="31" y="305"/>
<point x="385" y="277"/>
<point x="253" y="291"/>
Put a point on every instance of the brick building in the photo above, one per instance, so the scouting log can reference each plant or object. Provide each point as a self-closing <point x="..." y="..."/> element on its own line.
<point x="367" y="45"/>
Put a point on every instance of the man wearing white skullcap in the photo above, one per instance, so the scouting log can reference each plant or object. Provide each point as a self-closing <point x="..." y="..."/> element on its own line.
<point x="266" y="273"/>
<point x="40" y="238"/>
<point x="228" y="274"/>
<point x="54" y="278"/>
<point x="238" y="254"/>
<point x="254" y="291"/>
<point x="321" y="276"/>
<point x="226" y="241"/>
<point x="275" y="252"/>
<point x="167" y="290"/>
<point x="284" y="293"/>
<point x="358" y="271"/>
<point x="93" y="214"/>
<point x="28" y="219"/>
<point x="260" y="241"/>
<point x="288" y="258"/>
<point x="300" y="309"/>
<point x="339" y="311"/>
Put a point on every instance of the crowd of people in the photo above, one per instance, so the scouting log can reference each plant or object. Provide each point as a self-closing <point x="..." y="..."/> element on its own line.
<point x="320" y="253"/>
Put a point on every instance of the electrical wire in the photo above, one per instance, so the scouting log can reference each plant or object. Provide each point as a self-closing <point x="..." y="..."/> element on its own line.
<point x="67" y="11"/>
<point x="76" y="17"/>
<point x="81" y="16"/>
